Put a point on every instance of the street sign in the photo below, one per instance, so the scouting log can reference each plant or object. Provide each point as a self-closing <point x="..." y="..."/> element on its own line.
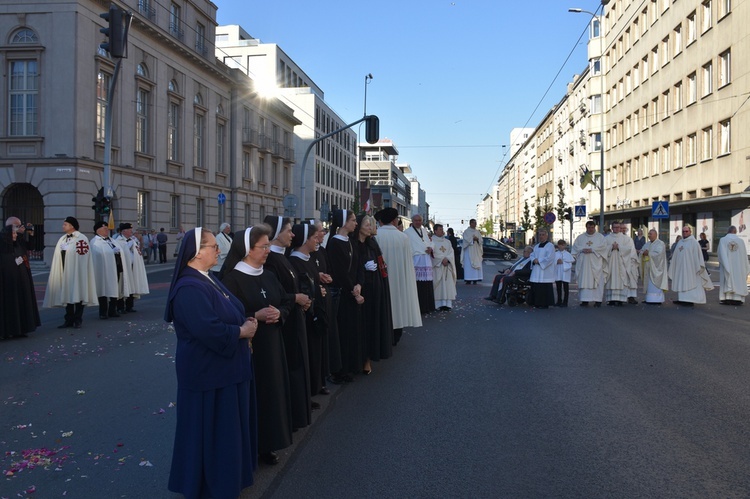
<point x="580" y="211"/>
<point x="660" y="209"/>
<point x="549" y="218"/>
<point x="222" y="198"/>
<point x="510" y="225"/>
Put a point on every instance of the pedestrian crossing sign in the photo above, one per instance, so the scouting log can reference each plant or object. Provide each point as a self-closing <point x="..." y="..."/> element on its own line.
<point x="580" y="211"/>
<point x="660" y="209"/>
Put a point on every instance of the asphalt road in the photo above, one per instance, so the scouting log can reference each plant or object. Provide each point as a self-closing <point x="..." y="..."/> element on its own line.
<point x="483" y="401"/>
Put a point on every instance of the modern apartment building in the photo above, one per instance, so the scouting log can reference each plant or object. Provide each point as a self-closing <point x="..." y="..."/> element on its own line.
<point x="188" y="130"/>
<point x="331" y="170"/>
<point x="382" y="180"/>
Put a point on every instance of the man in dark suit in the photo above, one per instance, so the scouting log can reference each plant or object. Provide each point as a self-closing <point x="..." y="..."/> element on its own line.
<point x="521" y="270"/>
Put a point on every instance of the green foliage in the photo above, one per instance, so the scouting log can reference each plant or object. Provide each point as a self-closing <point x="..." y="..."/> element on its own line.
<point x="486" y="227"/>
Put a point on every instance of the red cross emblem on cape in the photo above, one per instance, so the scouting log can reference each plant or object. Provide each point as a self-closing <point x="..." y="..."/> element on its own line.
<point x="82" y="247"/>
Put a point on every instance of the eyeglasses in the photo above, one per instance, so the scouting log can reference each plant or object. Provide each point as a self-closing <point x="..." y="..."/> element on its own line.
<point x="265" y="247"/>
<point x="214" y="246"/>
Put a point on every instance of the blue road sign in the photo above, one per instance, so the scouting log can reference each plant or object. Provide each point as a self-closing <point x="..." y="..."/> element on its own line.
<point x="580" y="211"/>
<point x="221" y="197"/>
<point x="549" y="217"/>
<point x="660" y="209"/>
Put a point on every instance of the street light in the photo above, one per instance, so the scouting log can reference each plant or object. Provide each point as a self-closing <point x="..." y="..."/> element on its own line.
<point x="601" y="109"/>
<point x="368" y="78"/>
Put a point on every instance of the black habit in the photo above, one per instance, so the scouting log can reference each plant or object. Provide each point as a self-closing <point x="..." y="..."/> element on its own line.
<point x="19" y="312"/>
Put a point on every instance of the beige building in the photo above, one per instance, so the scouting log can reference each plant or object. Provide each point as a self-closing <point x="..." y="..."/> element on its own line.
<point x="187" y="128"/>
<point x="331" y="171"/>
<point x="675" y="101"/>
<point x="666" y="86"/>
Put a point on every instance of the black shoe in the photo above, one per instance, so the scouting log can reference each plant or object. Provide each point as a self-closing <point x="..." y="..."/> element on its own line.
<point x="324" y="391"/>
<point x="597" y="304"/>
<point x="77" y="324"/>
<point x="314" y="405"/>
<point x="65" y="325"/>
<point x="632" y="301"/>
<point x="270" y="458"/>
<point x="489" y="298"/>
<point x="584" y="304"/>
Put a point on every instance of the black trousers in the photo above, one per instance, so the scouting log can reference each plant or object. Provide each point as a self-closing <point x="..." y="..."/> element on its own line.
<point x="74" y="312"/>
<point x="562" y="290"/>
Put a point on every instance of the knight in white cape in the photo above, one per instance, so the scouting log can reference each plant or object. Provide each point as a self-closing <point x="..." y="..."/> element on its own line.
<point x="733" y="268"/>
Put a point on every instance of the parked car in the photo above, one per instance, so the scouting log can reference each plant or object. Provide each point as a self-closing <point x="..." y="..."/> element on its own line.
<point x="494" y="249"/>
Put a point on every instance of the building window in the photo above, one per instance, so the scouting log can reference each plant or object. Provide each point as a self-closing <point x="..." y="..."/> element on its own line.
<point x="692" y="88"/>
<point x="725" y="137"/>
<point x="665" y="51"/>
<point x="707" y="141"/>
<point x="596" y="142"/>
<point x="174" y="212"/>
<point x="654" y="111"/>
<point x="707" y="21"/>
<point x="595" y="28"/>
<point x="199" y="128"/>
<point x="246" y="165"/>
<point x="725" y="7"/>
<point x="24" y="36"/>
<point x="596" y="104"/>
<point x="636" y="126"/>
<point x="725" y="68"/>
<point x="274" y="173"/>
<point x="200" y="39"/>
<point x="200" y="212"/>
<point x="665" y="159"/>
<point x="262" y="169"/>
<point x="677" y="97"/>
<point x="655" y="162"/>
<point x="141" y="209"/>
<point x="102" y="86"/>
<point x="677" y="154"/>
<point x="708" y="78"/>
<point x="23" y="93"/>
<point x="175" y="23"/>
<point x="692" y="151"/>
<point x="654" y="60"/>
<point x="646" y="167"/>
<point x="692" y="32"/>
<point x="666" y="102"/>
<point x="141" y="120"/>
<point x="596" y="66"/>
<point x="220" y="138"/>
<point x="173" y="132"/>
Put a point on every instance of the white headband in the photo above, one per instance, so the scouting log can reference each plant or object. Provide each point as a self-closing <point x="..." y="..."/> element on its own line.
<point x="247" y="239"/>
<point x="304" y="240"/>
<point x="343" y="217"/>
<point x="279" y="226"/>
<point x="198" y="239"/>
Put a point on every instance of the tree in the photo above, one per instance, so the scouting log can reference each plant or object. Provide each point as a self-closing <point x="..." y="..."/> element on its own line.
<point x="526" y="219"/>
<point x="486" y="227"/>
<point x="542" y="209"/>
<point x="560" y="200"/>
<point x="356" y="208"/>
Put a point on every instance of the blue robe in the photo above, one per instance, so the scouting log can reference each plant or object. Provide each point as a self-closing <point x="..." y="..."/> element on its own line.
<point x="215" y="446"/>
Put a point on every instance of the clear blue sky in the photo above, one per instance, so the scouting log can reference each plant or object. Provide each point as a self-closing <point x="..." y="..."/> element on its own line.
<point x="451" y="79"/>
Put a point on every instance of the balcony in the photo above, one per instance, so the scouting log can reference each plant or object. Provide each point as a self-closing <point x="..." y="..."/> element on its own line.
<point x="176" y="31"/>
<point x="250" y="137"/>
<point x="146" y="10"/>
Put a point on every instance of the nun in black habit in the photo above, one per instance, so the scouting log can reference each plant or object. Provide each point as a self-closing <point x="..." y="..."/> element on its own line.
<point x="295" y="332"/>
<point x="303" y="243"/>
<point x="347" y="277"/>
<point x="264" y="298"/>
<point x="326" y="308"/>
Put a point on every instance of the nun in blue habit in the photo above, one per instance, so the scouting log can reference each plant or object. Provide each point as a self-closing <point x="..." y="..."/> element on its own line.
<point x="215" y="446"/>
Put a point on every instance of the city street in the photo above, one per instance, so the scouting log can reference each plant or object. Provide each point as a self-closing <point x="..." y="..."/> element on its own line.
<point x="483" y="401"/>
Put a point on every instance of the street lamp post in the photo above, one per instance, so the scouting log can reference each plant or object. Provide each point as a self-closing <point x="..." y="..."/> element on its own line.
<point x="368" y="78"/>
<point x="601" y="109"/>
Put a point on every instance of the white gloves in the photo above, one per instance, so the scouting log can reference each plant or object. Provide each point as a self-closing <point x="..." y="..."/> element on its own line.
<point x="371" y="266"/>
<point x="19" y="260"/>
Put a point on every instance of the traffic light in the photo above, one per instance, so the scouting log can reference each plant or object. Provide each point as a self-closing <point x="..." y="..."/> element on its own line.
<point x="115" y="32"/>
<point x="105" y="207"/>
<point x="568" y="214"/>
<point x="372" y="129"/>
<point x="97" y="203"/>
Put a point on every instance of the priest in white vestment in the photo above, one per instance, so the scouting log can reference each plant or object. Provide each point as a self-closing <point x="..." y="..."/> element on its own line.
<point x="654" y="263"/>
<point x="443" y="270"/>
<point x="71" y="277"/>
<point x="133" y="258"/>
<point x="733" y="269"/>
<point x="421" y="250"/>
<point x="402" y="281"/>
<point x="622" y="276"/>
<point x="112" y="277"/>
<point x="590" y="252"/>
<point x="472" y="253"/>
<point x="687" y="271"/>
<point x="224" y="240"/>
